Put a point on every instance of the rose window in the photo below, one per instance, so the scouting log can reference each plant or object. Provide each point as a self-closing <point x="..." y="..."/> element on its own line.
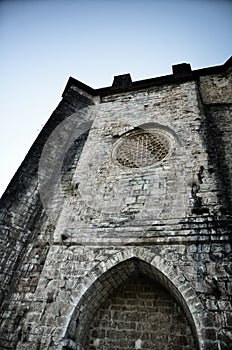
<point x="142" y="148"/>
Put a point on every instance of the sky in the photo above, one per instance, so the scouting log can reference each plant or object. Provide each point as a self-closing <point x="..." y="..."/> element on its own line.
<point x="44" y="42"/>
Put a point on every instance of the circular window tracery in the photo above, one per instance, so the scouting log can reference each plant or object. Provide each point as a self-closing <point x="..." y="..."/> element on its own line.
<point x="142" y="148"/>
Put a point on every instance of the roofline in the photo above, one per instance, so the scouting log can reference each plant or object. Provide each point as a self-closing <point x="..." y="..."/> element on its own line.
<point x="183" y="76"/>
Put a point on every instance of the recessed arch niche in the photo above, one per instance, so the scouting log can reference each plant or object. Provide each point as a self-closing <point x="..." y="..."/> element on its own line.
<point x="132" y="306"/>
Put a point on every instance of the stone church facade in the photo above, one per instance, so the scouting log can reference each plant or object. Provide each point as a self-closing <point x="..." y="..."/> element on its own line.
<point x="116" y="229"/>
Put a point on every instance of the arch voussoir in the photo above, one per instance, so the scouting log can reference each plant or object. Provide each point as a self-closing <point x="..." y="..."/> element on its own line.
<point x="109" y="274"/>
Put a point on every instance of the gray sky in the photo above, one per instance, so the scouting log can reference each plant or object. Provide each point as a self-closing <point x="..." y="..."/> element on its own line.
<point x="43" y="42"/>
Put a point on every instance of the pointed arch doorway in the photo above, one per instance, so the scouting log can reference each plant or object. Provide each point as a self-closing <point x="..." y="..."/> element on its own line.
<point x="130" y="307"/>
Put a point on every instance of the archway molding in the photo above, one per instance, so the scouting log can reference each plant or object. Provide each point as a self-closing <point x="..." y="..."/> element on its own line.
<point x="110" y="273"/>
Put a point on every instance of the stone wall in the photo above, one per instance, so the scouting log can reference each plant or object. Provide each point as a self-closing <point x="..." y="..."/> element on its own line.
<point x="216" y="94"/>
<point x="75" y="281"/>
<point x="100" y="224"/>
<point x="216" y="88"/>
<point x="140" y="315"/>
<point x="26" y="231"/>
